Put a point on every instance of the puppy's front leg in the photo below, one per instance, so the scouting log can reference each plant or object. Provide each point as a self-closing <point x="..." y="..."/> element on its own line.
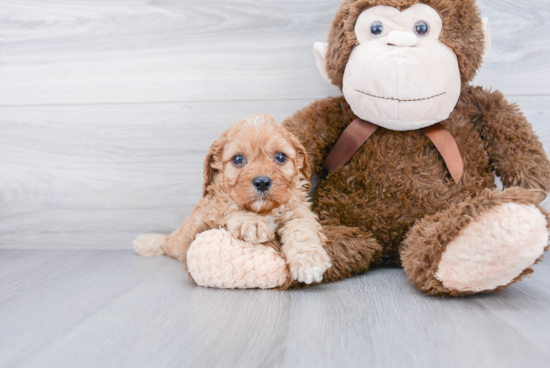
<point x="250" y="227"/>
<point x="302" y="241"/>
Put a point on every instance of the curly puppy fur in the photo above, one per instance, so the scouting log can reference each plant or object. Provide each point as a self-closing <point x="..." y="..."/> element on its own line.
<point x="231" y="201"/>
<point x="397" y="178"/>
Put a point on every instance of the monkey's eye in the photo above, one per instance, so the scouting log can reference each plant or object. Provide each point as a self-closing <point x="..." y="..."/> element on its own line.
<point x="238" y="160"/>
<point x="376" y="29"/>
<point x="421" y="28"/>
<point x="280" y="157"/>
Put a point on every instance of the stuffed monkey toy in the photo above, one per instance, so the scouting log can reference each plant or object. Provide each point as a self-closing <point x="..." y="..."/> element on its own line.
<point x="409" y="154"/>
<point x="412" y="149"/>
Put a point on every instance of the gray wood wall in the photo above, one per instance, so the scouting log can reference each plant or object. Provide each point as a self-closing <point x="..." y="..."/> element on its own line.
<point x="108" y="107"/>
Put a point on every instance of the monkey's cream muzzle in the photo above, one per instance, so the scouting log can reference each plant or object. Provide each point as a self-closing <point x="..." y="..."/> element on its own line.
<point x="402" y="82"/>
<point x="401" y="39"/>
<point x="399" y="76"/>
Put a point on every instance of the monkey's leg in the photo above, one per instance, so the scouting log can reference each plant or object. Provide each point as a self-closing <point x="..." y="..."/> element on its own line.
<point x="482" y="244"/>
<point x="351" y="252"/>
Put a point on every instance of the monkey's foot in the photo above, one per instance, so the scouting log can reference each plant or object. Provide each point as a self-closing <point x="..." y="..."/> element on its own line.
<point x="216" y="259"/>
<point x="495" y="249"/>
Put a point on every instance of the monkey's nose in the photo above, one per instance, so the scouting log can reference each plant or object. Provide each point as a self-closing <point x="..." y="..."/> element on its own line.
<point x="402" y="39"/>
<point x="262" y="183"/>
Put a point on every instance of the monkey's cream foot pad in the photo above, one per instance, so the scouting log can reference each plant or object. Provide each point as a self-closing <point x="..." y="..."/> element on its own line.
<point x="216" y="259"/>
<point x="495" y="249"/>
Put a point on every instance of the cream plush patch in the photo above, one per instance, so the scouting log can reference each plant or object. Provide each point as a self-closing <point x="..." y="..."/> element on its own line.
<point x="398" y="79"/>
<point x="216" y="259"/>
<point x="495" y="249"/>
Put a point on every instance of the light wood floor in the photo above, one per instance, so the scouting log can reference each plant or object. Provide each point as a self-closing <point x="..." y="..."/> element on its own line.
<point x="112" y="308"/>
<point x="107" y="109"/>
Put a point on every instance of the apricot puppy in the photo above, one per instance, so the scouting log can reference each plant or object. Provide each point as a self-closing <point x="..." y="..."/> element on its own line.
<point x="256" y="186"/>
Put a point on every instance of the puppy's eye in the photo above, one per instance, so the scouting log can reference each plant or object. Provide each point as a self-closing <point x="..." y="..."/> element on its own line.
<point x="376" y="29"/>
<point x="421" y="28"/>
<point x="238" y="160"/>
<point x="280" y="157"/>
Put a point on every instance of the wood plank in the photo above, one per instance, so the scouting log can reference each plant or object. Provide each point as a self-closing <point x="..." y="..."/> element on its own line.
<point x="38" y="304"/>
<point x="381" y="320"/>
<point x="376" y="320"/>
<point x="526" y="306"/>
<point x="513" y="65"/>
<point x="168" y="321"/>
<point x="95" y="176"/>
<point x="140" y="51"/>
<point x="18" y="261"/>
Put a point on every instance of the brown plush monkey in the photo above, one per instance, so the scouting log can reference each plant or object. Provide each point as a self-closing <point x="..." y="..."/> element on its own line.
<point x="412" y="176"/>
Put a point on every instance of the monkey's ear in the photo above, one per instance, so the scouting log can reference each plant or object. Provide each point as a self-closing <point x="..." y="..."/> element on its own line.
<point x="210" y="168"/>
<point x="487" y="38"/>
<point x="320" y="52"/>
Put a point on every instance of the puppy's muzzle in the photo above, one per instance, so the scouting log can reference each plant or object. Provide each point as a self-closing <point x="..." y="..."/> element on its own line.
<point x="261" y="183"/>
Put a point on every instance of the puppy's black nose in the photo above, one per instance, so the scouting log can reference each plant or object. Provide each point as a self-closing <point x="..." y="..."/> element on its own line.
<point x="262" y="183"/>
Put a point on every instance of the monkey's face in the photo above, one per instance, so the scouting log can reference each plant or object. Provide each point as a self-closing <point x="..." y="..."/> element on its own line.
<point x="401" y="76"/>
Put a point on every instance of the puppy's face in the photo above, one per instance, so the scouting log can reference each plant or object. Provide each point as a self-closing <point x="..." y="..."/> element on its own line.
<point x="257" y="163"/>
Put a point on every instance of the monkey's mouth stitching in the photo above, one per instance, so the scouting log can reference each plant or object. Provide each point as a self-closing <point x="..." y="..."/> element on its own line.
<point x="396" y="99"/>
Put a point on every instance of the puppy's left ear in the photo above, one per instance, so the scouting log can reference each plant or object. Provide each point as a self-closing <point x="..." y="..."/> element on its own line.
<point x="210" y="168"/>
<point x="304" y="164"/>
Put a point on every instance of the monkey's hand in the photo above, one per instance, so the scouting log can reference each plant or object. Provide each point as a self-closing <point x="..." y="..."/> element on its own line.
<point x="253" y="229"/>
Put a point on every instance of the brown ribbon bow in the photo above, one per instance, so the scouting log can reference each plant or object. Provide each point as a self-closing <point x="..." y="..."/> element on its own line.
<point x="360" y="130"/>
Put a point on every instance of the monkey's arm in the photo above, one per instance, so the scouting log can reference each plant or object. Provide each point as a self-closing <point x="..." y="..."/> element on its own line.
<point x="515" y="151"/>
<point x="319" y="125"/>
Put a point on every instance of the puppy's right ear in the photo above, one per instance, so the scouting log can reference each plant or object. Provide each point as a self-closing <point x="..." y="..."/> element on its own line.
<point x="210" y="168"/>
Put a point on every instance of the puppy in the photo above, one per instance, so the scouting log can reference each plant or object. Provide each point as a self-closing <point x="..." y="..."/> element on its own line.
<point x="256" y="186"/>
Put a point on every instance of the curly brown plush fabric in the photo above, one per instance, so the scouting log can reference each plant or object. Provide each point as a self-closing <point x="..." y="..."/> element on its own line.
<point x="398" y="178"/>
<point x="501" y="125"/>
<point x="395" y="202"/>
<point x="351" y="251"/>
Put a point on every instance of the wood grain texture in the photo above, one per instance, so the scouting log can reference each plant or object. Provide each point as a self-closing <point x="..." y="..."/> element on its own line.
<point x="59" y="52"/>
<point x="526" y="308"/>
<point x="46" y="301"/>
<point x="95" y="176"/>
<point x="120" y="310"/>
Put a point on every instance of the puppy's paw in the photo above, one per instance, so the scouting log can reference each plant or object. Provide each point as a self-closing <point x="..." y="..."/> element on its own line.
<point x="309" y="274"/>
<point x="309" y="267"/>
<point x="253" y="231"/>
